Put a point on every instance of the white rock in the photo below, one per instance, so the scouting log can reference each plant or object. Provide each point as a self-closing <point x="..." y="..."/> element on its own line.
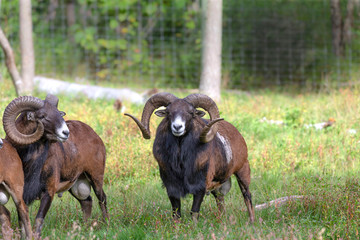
<point x="351" y="131"/>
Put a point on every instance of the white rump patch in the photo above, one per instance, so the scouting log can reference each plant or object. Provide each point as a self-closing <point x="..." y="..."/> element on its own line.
<point x="4" y="195"/>
<point x="1" y="143"/>
<point x="81" y="188"/>
<point x="227" y="147"/>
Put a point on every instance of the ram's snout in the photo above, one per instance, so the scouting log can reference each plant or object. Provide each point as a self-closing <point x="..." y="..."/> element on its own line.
<point x="178" y="126"/>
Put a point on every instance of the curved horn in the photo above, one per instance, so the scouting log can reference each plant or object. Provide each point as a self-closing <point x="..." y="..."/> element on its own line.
<point x="156" y="101"/>
<point x="209" y="131"/>
<point x="15" y="107"/>
<point x="205" y="102"/>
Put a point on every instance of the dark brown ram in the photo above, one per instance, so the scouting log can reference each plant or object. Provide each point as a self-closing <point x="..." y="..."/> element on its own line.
<point x="195" y="155"/>
<point x="12" y="182"/>
<point x="55" y="154"/>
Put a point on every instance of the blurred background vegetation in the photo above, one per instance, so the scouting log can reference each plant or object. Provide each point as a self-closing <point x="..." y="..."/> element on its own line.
<point x="158" y="42"/>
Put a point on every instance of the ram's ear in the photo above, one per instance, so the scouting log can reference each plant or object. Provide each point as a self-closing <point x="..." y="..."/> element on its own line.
<point x="62" y="113"/>
<point x="30" y="116"/>
<point x="199" y="113"/>
<point x="160" y="113"/>
<point x="52" y="99"/>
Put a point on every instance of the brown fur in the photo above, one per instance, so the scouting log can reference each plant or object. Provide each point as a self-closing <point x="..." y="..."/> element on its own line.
<point x="11" y="174"/>
<point x="210" y="155"/>
<point x="83" y="153"/>
<point x="239" y="165"/>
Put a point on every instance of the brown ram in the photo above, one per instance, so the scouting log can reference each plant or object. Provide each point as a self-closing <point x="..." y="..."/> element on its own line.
<point x="55" y="154"/>
<point x="194" y="155"/>
<point x="12" y="182"/>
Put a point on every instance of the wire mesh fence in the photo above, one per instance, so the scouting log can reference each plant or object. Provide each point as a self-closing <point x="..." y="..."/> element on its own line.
<point x="158" y="42"/>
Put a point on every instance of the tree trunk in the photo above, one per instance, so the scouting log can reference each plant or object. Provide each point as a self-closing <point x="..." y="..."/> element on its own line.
<point x="27" y="47"/>
<point x="210" y="81"/>
<point x="341" y="28"/>
<point x="10" y="62"/>
<point x="53" y="5"/>
<point x="70" y="18"/>
<point x="336" y="21"/>
<point x="348" y="22"/>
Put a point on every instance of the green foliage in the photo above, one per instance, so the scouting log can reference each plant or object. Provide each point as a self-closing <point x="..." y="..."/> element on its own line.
<point x="159" y="42"/>
<point x="293" y="117"/>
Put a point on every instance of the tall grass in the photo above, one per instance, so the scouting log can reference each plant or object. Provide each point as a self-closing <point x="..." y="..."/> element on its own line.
<point x="285" y="160"/>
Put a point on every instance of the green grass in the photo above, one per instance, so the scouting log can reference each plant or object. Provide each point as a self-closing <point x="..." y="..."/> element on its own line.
<point x="285" y="160"/>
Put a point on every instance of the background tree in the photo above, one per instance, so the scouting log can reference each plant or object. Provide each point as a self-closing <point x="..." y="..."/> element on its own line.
<point x="10" y="62"/>
<point x="341" y="28"/>
<point x="210" y="81"/>
<point x="27" y="47"/>
<point x="24" y="82"/>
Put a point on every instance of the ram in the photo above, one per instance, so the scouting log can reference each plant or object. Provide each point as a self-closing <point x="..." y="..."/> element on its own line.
<point x="196" y="156"/>
<point x="12" y="183"/>
<point x="56" y="155"/>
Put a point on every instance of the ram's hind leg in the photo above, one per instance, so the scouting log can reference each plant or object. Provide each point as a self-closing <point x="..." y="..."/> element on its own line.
<point x="243" y="178"/>
<point x="86" y="206"/>
<point x="219" y="198"/>
<point x="97" y="184"/>
<point x="219" y="194"/>
<point x="5" y="222"/>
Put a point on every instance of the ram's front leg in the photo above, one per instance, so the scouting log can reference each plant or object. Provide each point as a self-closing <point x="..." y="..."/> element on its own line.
<point x="45" y="204"/>
<point x="176" y="207"/>
<point x="195" y="209"/>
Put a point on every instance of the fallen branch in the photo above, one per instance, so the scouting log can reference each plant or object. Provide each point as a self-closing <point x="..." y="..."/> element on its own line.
<point x="278" y="202"/>
<point x="54" y="86"/>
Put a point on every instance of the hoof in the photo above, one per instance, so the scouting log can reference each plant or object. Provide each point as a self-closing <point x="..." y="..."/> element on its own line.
<point x="195" y="216"/>
<point x="176" y="217"/>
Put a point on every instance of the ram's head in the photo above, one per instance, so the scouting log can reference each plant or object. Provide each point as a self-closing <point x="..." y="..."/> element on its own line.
<point x="46" y="118"/>
<point x="180" y="113"/>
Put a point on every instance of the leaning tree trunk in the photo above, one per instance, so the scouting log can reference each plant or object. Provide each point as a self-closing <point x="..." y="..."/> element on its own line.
<point x="210" y="81"/>
<point x="10" y="62"/>
<point x="27" y="47"/>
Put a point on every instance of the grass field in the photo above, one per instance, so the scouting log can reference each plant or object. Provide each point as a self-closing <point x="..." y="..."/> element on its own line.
<point x="285" y="160"/>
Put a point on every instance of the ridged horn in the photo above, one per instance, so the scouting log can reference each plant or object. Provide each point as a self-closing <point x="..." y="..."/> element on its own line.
<point x="15" y="107"/>
<point x="205" y="102"/>
<point x="209" y="131"/>
<point x="154" y="102"/>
